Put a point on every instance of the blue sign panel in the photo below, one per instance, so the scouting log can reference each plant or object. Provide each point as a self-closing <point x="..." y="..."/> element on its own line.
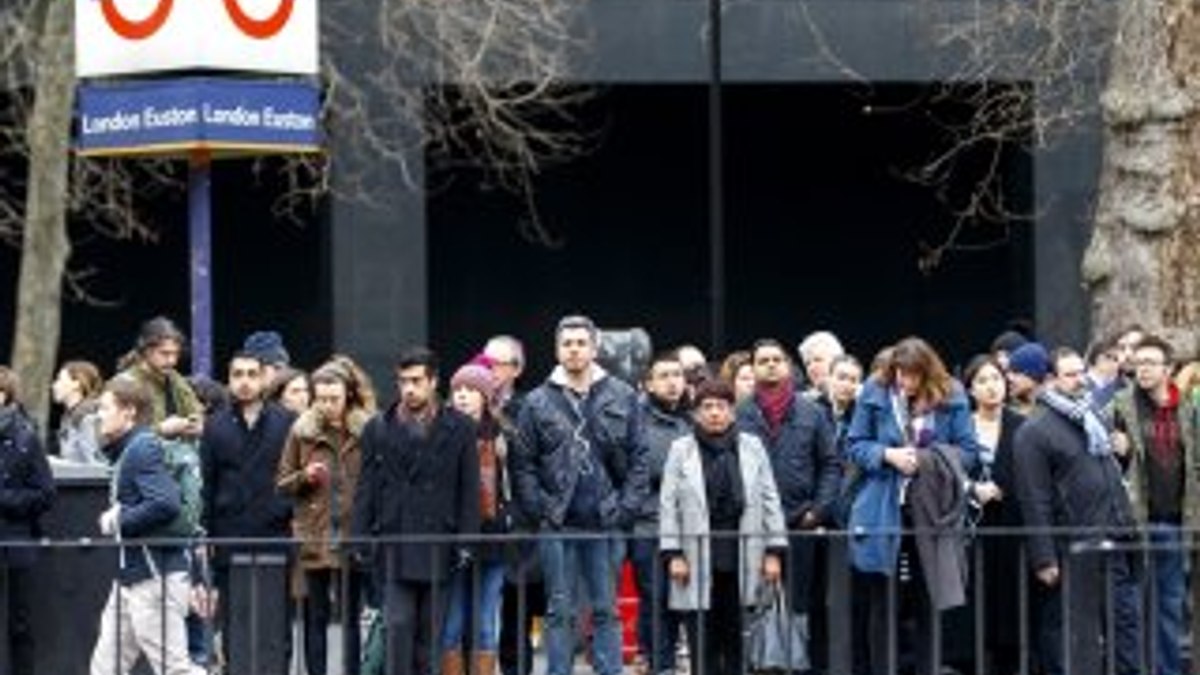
<point x="167" y="116"/>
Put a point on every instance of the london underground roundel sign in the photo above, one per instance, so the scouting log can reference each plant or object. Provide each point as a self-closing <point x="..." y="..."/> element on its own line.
<point x="135" y="29"/>
<point x="259" y="29"/>
<point x="129" y="36"/>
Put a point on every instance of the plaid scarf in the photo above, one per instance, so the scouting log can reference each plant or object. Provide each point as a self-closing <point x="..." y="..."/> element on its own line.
<point x="1081" y="412"/>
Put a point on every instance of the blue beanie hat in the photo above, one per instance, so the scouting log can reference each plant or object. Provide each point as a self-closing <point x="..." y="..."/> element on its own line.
<point x="1031" y="360"/>
<point x="267" y="345"/>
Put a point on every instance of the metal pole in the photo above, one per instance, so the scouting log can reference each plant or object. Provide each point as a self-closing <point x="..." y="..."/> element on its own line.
<point x="716" y="189"/>
<point x="200" y="250"/>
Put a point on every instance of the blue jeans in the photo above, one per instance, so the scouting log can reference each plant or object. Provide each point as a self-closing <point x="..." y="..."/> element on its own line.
<point x="465" y="596"/>
<point x="594" y="562"/>
<point x="1170" y="587"/>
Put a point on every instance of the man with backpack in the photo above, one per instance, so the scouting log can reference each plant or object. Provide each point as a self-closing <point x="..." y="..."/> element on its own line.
<point x="145" y="611"/>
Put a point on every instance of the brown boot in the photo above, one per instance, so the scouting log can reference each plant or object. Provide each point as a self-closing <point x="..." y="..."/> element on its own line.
<point x="484" y="663"/>
<point x="452" y="662"/>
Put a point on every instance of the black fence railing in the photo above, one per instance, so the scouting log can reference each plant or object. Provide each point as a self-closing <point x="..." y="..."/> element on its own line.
<point x="941" y="601"/>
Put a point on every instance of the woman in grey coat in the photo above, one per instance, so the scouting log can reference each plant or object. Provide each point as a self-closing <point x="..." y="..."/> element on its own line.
<point x="718" y="482"/>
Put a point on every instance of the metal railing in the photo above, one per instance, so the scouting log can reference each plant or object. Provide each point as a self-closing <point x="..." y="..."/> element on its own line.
<point x="266" y="610"/>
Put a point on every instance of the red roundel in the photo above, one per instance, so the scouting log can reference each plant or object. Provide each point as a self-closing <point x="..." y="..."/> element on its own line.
<point x="138" y="29"/>
<point x="256" y="28"/>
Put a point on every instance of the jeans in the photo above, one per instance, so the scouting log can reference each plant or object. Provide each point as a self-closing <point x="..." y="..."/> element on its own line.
<point x="1170" y="586"/>
<point x="479" y="586"/>
<point x="594" y="562"/>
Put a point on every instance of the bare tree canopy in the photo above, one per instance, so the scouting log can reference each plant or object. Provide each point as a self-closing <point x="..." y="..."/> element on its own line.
<point x="480" y="82"/>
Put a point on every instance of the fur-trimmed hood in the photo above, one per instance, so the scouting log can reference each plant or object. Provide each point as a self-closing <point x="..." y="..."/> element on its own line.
<point x="310" y="427"/>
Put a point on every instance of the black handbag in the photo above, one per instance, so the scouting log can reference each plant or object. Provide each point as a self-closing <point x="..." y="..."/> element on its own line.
<point x="777" y="640"/>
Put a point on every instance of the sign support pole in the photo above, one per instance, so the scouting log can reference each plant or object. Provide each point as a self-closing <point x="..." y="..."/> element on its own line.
<point x="200" y="254"/>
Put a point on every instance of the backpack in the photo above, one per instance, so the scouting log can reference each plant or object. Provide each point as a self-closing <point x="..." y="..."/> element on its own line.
<point x="182" y="459"/>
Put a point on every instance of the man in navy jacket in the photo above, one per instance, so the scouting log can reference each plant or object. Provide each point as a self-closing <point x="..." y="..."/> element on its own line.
<point x="146" y="608"/>
<point x="239" y="455"/>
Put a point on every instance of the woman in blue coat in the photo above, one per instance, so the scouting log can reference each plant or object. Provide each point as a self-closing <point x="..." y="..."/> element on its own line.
<point x="909" y="416"/>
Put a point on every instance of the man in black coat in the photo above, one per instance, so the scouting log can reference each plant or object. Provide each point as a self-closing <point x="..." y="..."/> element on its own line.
<point x="420" y="476"/>
<point x="800" y="442"/>
<point x="26" y="492"/>
<point x="239" y="455"/>
<point x="1068" y="477"/>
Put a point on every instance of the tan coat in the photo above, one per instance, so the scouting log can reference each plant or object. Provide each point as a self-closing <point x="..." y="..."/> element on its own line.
<point x="313" y="524"/>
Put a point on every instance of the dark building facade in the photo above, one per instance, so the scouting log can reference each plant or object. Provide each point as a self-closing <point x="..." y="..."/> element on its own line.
<point x="821" y="229"/>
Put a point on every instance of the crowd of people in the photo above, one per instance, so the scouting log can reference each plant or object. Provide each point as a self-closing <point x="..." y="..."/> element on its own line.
<point x="714" y="482"/>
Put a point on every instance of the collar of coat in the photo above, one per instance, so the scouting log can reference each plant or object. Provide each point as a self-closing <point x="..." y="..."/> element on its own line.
<point x="309" y="426"/>
<point x="558" y="376"/>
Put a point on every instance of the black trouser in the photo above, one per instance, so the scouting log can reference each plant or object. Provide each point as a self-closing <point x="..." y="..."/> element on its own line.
<point x="17" y="590"/>
<point x="1089" y="603"/>
<point x="413" y="611"/>
<point x="321" y="588"/>
<point x="516" y="623"/>
<point x="260" y="599"/>
<point x="715" y="636"/>
<point x="890" y="602"/>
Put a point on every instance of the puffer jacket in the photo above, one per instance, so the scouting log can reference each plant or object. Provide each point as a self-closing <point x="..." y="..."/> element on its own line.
<point x="557" y="432"/>
<point x="803" y="456"/>
<point x="322" y="511"/>
<point x="660" y="429"/>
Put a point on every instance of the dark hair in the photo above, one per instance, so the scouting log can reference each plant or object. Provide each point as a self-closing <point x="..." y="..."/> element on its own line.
<point x="668" y="356"/>
<point x="1100" y="347"/>
<point x="87" y="375"/>
<point x="713" y="389"/>
<point x="577" y="321"/>
<point x="10" y="385"/>
<point x="419" y="356"/>
<point x="914" y="355"/>
<point x="1150" y="341"/>
<point x="158" y="330"/>
<point x="283" y="377"/>
<point x="1060" y="353"/>
<point x="247" y="356"/>
<point x="763" y="343"/>
<point x="212" y="394"/>
<point x="978" y="363"/>
<point x="129" y="393"/>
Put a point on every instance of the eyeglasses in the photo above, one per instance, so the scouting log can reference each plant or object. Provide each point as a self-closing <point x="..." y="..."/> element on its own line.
<point x="1148" y="363"/>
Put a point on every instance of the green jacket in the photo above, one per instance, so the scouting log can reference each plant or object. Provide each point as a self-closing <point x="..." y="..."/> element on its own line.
<point x="1126" y="416"/>
<point x="186" y="402"/>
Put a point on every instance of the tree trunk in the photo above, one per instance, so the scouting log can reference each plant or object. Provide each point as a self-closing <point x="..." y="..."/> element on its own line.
<point x="45" y="246"/>
<point x="1143" y="263"/>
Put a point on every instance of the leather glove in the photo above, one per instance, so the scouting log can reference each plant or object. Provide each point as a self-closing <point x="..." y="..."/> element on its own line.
<point x="110" y="520"/>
